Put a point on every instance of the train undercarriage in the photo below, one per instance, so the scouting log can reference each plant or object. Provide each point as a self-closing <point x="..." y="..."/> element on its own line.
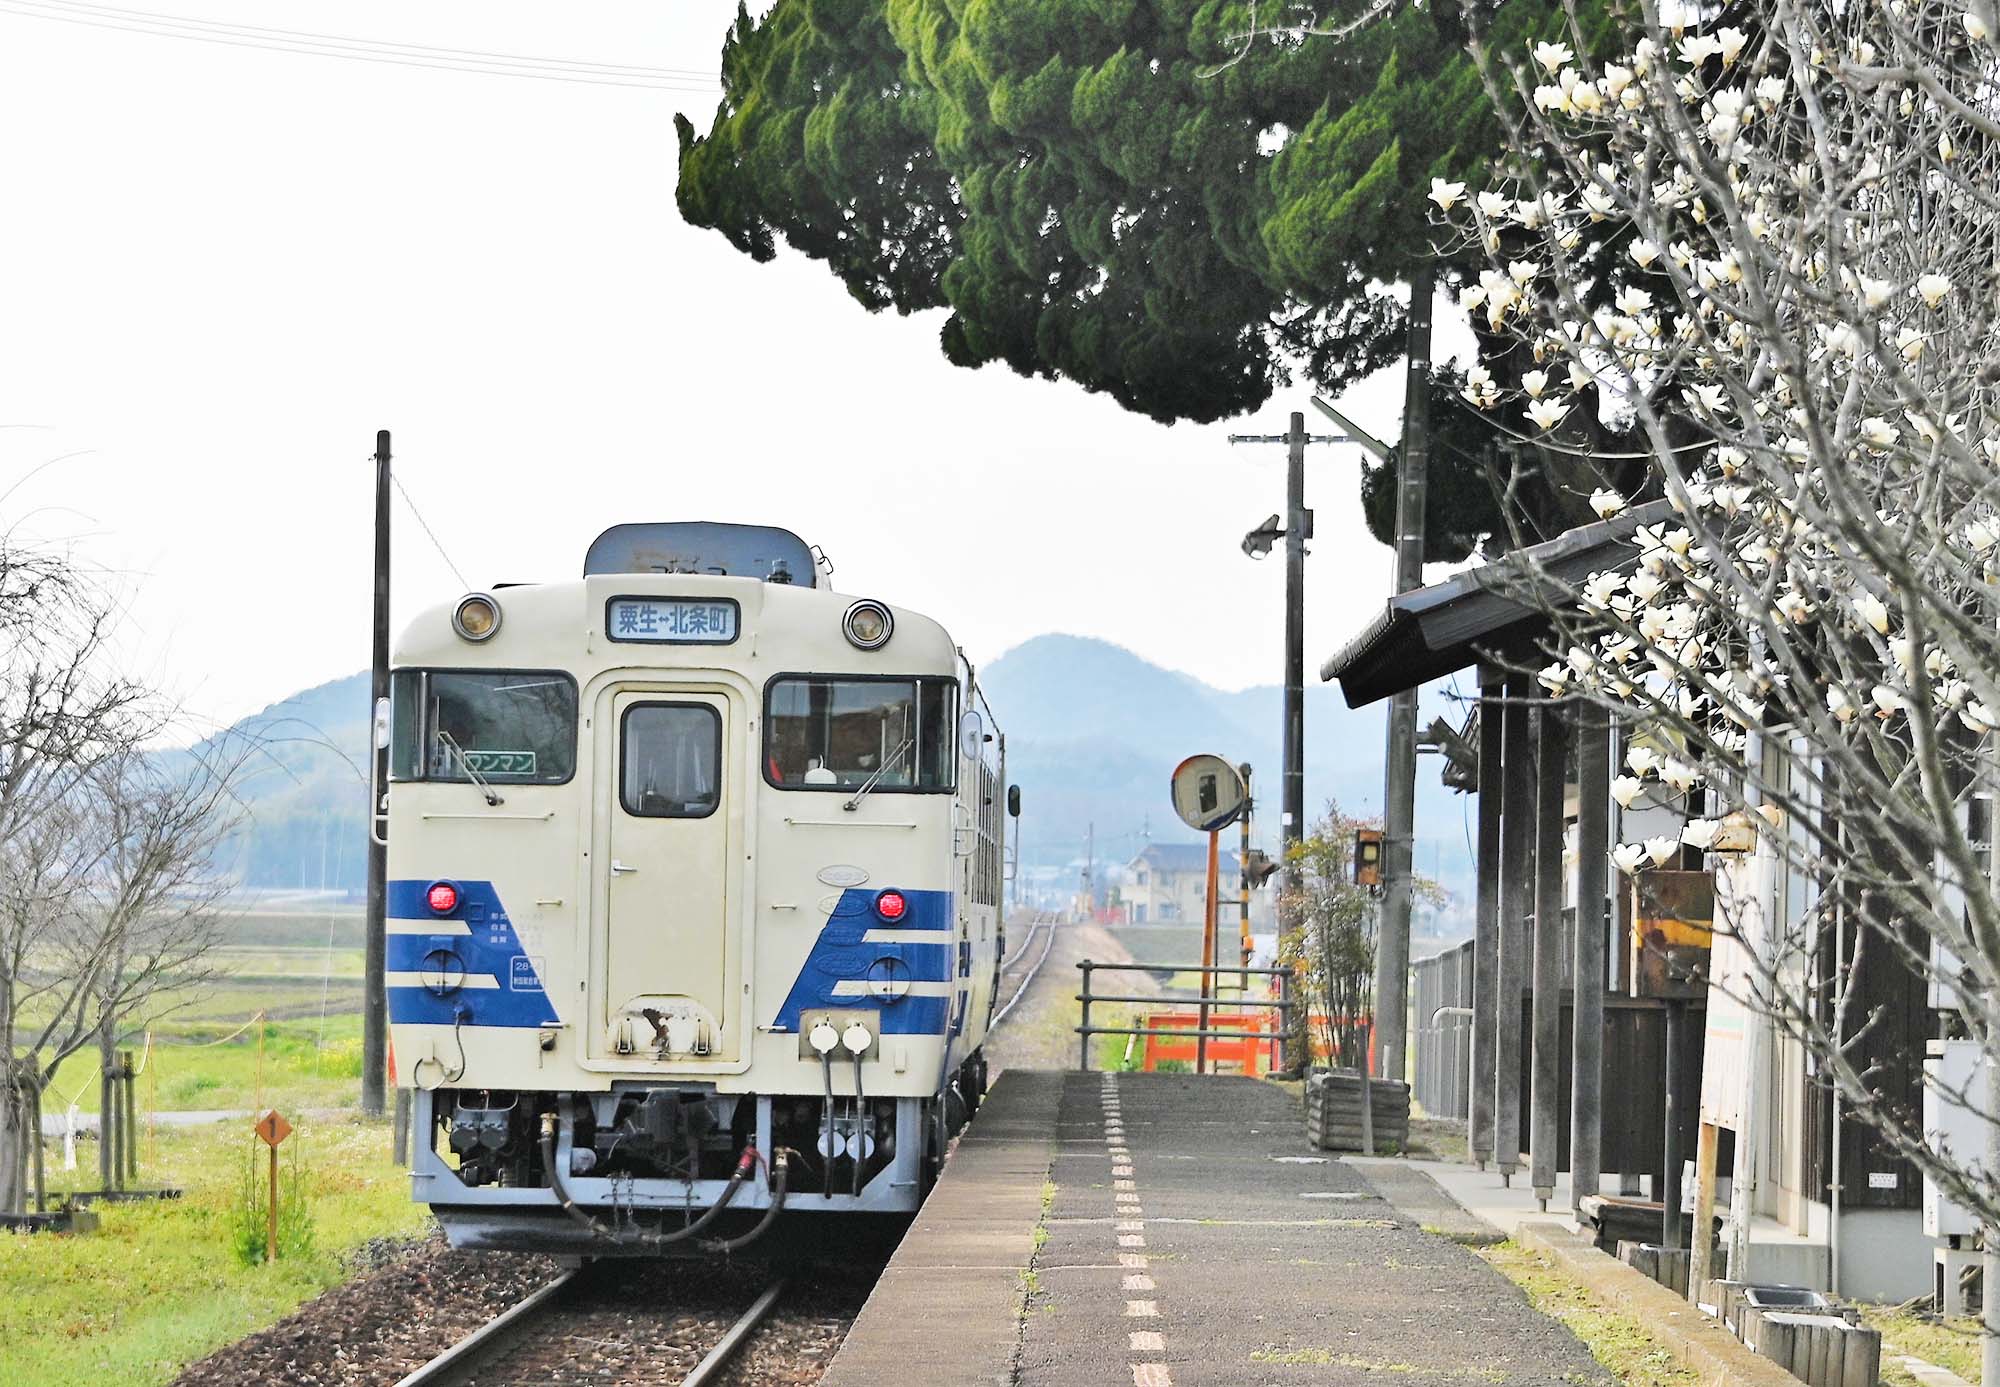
<point x="659" y="1169"/>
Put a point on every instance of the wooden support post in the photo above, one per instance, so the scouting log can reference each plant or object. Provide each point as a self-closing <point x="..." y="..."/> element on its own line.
<point x="129" y="1077"/>
<point x="1670" y="1183"/>
<point x="107" y="1127"/>
<point x="1547" y="1094"/>
<point x="1593" y="848"/>
<point x="1517" y="878"/>
<point x="1702" y="1244"/>
<point x="1486" y="929"/>
<point x="35" y="1136"/>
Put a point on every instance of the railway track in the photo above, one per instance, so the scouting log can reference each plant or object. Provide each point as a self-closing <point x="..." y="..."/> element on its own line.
<point x="597" y="1324"/>
<point x="1045" y="925"/>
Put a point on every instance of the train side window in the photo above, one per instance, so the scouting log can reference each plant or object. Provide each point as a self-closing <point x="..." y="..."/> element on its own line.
<point x="670" y="760"/>
<point x="509" y="727"/>
<point x="824" y="732"/>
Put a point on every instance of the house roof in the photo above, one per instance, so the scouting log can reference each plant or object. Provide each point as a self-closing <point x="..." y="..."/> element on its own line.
<point x="1182" y="857"/>
<point x="1429" y="632"/>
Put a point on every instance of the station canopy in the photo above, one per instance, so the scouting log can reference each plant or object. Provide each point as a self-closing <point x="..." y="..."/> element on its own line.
<point x="1427" y="633"/>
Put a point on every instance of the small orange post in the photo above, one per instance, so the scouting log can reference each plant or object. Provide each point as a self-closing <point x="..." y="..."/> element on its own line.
<point x="272" y="1129"/>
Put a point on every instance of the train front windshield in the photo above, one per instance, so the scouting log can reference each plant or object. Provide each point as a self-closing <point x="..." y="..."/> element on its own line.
<point x="511" y="727"/>
<point x="829" y="732"/>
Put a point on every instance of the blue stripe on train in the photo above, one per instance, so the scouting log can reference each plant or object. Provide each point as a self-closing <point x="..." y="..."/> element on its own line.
<point x="841" y="954"/>
<point x="492" y="950"/>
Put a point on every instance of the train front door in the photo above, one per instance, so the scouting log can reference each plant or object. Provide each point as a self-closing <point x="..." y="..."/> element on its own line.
<point x="665" y="949"/>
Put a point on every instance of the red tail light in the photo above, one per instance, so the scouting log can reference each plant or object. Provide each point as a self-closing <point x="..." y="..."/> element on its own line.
<point x="442" y="898"/>
<point x="891" y="906"/>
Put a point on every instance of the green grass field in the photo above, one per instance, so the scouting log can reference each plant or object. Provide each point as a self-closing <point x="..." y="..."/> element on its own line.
<point x="159" y="1285"/>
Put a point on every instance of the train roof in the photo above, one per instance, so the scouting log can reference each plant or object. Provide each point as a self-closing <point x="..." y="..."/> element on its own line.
<point x="717" y="548"/>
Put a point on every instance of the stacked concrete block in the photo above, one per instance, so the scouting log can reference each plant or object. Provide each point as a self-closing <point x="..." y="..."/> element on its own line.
<point x="1667" y="1265"/>
<point x="1333" y="1112"/>
<point x="1821" y="1350"/>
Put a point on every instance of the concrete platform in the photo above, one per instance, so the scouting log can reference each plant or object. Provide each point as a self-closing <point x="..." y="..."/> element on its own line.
<point x="1164" y="1229"/>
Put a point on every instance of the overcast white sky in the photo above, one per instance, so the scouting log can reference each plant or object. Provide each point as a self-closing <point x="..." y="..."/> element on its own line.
<point x="223" y="268"/>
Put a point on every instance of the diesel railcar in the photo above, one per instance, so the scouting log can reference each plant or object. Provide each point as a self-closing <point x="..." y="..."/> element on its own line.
<point x="694" y="901"/>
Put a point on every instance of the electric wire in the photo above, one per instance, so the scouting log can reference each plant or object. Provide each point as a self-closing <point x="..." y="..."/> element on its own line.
<point x="365" y="50"/>
<point x="301" y="35"/>
<point x="435" y="541"/>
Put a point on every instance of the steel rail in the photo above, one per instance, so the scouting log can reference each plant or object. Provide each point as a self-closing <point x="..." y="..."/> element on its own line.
<point x="494" y="1337"/>
<point x="718" y="1357"/>
<point x="1041" y="922"/>
<point x="1026" y="983"/>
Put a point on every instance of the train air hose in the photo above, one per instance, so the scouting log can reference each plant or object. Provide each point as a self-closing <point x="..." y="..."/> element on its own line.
<point x="860" y="1126"/>
<point x="744" y="1165"/>
<point x="780" y="1160"/>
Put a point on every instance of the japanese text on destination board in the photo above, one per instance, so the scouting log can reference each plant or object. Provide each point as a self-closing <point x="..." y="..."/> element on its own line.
<point x="671" y="620"/>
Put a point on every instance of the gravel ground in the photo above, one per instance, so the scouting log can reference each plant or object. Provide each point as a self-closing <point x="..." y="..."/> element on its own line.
<point x="380" y="1325"/>
<point x="624" y="1322"/>
<point x="628" y="1323"/>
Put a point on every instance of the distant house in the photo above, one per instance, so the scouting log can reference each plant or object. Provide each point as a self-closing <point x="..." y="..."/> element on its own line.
<point x="1167" y="883"/>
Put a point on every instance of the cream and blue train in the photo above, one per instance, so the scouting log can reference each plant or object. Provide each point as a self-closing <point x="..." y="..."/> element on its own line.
<point x="694" y="901"/>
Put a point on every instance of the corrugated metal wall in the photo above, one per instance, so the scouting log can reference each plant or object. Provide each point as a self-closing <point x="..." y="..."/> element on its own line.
<point x="1444" y="1044"/>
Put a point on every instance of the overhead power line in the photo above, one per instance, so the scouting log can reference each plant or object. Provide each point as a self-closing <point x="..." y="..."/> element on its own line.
<point x="436" y="543"/>
<point x="160" y="25"/>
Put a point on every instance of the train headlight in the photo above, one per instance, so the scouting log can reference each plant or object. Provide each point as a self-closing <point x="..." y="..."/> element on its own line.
<point x="868" y="624"/>
<point x="476" y="617"/>
<point x="892" y="905"/>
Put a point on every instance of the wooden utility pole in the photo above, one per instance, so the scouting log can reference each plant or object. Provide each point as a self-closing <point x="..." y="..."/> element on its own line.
<point x="1399" y="791"/>
<point x="375" y="1003"/>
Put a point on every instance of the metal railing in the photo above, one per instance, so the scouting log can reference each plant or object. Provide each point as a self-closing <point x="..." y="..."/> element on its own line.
<point x="1202" y="1032"/>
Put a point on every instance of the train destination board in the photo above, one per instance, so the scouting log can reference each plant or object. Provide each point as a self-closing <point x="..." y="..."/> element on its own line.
<point x="671" y="620"/>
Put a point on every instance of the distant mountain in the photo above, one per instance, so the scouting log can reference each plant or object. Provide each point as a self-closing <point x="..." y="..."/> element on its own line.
<point x="1093" y="732"/>
<point x="306" y="788"/>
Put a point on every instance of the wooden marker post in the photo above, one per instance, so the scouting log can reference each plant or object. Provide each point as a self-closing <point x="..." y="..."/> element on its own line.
<point x="272" y="1129"/>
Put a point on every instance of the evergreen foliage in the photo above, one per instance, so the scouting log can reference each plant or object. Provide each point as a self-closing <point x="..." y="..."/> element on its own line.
<point x="1092" y="201"/>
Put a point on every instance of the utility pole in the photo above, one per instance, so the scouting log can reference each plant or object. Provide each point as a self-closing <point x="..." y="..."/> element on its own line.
<point x="1296" y="531"/>
<point x="375" y="1003"/>
<point x="1399" y="792"/>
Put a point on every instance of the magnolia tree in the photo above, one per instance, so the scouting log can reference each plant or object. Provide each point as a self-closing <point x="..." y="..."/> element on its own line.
<point x="1767" y="246"/>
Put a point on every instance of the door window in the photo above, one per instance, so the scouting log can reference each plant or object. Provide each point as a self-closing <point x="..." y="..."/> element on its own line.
<point x="670" y="760"/>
